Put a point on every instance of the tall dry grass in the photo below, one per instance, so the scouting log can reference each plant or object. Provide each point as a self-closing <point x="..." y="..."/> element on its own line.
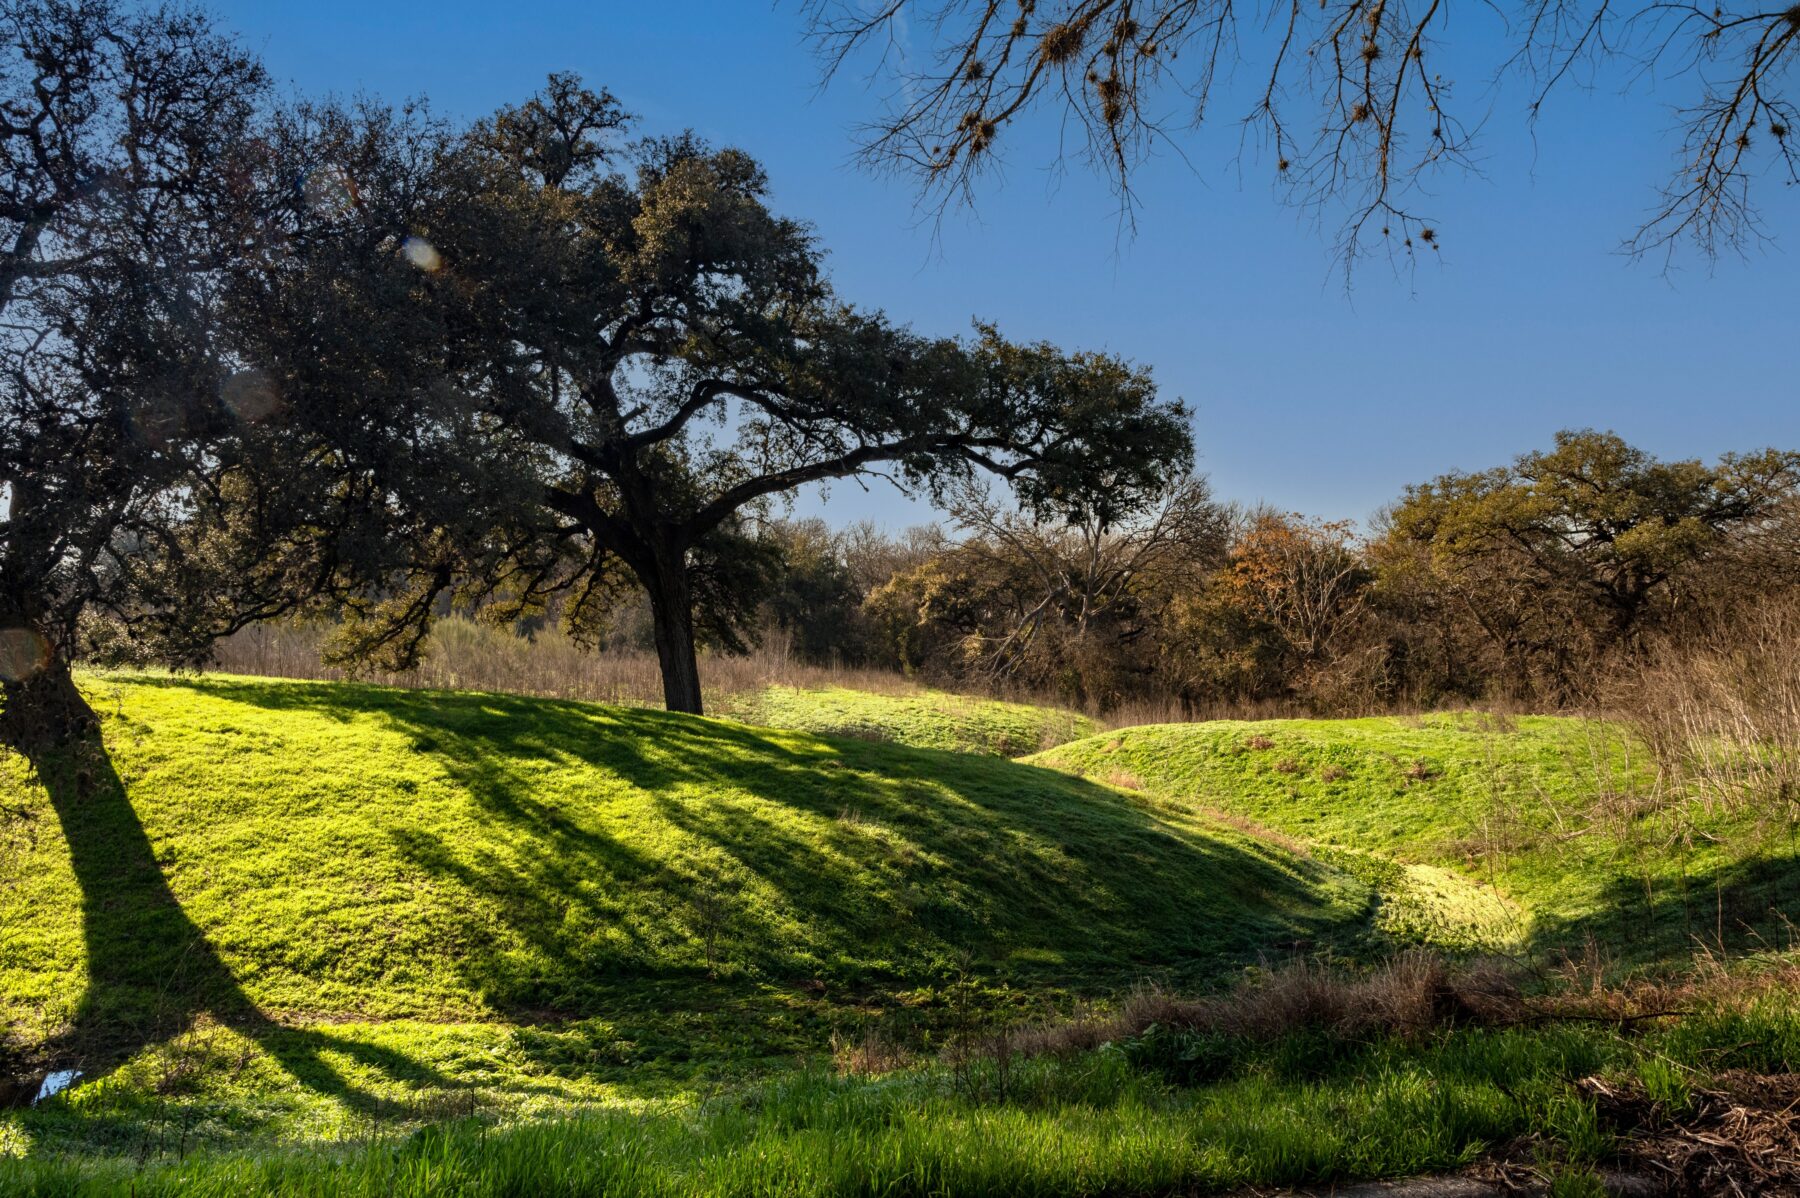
<point x="464" y="655"/>
<point x="1720" y="710"/>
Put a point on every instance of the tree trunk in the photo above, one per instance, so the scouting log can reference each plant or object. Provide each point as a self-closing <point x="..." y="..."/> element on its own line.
<point x="672" y="609"/>
<point x="44" y="711"/>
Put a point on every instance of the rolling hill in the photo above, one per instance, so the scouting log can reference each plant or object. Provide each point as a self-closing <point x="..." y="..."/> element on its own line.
<point x="282" y="914"/>
<point x="1560" y="815"/>
<point x="344" y="880"/>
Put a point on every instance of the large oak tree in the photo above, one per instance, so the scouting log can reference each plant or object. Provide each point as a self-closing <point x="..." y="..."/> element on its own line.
<point x="611" y="351"/>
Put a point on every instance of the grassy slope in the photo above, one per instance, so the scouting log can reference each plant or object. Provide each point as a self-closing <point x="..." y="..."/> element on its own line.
<point x="392" y="894"/>
<point x="515" y="898"/>
<point x="1532" y="806"/>
<point x="926" y="719"/>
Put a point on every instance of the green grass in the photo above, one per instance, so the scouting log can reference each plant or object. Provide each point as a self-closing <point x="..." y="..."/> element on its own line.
<point x="374" y="887"/>
<point x="1105" y="1122"/>
<point x="1541" y="810"/>
<point x="340" y="939"/>
<point x="926" y="719"/>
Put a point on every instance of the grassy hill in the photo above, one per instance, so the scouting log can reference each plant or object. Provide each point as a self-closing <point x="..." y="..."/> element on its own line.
<point x="399" y="881"/>
<point x="925" y="719"/>
<point x="1558" y="814"/>
<point x="577" y="946"/>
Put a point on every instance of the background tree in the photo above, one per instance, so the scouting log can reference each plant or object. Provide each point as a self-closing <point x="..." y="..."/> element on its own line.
<point x="1356" y="102"/>
<point x="1568" y="555"/>
<point x="1068" y="606"/>
<point x="117" y="136"/>
<point x="650" y="357"/>
<point x="1301" y="586"/>
<point x="813" y="599"/>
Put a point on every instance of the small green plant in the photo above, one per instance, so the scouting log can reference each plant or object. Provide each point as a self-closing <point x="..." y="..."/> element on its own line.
<point x="1578" y="1182"/>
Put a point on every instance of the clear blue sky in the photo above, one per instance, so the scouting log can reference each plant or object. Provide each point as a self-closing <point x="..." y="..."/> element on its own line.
<point x="1306" y="398"/>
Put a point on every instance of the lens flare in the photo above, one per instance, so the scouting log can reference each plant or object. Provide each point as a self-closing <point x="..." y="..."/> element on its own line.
<point x="421" y="253"/>
<point x="329" y="192"/>
<point x="251" y="395"/>
<point x="23" y="653"/>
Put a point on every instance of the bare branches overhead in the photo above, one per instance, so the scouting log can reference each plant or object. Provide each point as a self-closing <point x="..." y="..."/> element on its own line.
<point x="1354" y="105"/>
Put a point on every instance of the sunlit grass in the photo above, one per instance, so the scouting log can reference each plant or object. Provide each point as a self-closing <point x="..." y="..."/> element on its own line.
<point x="359" y="940"/>
<point x="1556" y="814"/>
<point x="1095" y="1123"/>
<point x="596" y="896"/>
<point x="927" y="719"/>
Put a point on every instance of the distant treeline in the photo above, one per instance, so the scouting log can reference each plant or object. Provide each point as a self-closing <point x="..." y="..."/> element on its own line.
<point x="1528" y="583"/>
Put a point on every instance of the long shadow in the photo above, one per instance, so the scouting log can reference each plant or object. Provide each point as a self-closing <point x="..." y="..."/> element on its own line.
<point x="910" y="859"/>
<point x="1733" y="908"/>
<point x="151" y="972"/>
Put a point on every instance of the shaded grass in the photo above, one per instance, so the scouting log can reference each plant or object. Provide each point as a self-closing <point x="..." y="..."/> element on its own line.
<point x="362" y="851"/>
<point x="612" y="897"/>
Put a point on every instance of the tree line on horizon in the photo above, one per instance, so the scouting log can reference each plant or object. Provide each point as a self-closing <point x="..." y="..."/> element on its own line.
<point x="1533" y="584"/>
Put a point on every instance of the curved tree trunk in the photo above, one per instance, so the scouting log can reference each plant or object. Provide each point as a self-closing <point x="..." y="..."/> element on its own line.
<point x="672" y="610"/>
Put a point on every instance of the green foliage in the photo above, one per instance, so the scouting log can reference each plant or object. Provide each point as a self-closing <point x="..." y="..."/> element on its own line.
<point x="641" y="353"/>
<point x="815" y="600"/>
<point x="1565" y="555"/>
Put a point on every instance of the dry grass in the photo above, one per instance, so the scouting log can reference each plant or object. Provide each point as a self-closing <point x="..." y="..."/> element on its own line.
<point x="464" y="655"/>
<point x="1736" y="1136"/>
<point x="1413" y="994"/>
<point x="1171" y="710"/>
<point x="868" y="1055"/>
<point x="1408" y="995"/>
<point x="1720" y="711"/>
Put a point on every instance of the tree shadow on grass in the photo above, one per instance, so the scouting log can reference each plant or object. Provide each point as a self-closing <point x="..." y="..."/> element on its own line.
<point x="152" y="974"/>
<point x="792" y="859"/>
<point x="1729" y="910"/>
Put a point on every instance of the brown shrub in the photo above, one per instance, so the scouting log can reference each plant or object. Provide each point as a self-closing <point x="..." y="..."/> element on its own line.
<point x="1333" y="773"/>
<point x="867" y="1055"/>
<point x="1287" y="765"/>
<point x="1408" y="995"/>
<point x="1258" y="742"/>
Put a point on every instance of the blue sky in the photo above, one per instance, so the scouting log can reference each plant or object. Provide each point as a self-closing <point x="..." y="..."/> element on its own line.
<point x="1305" y="397"/>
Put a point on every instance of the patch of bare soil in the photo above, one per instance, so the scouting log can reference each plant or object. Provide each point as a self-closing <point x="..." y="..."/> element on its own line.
<point x="1740" y="1135"/>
